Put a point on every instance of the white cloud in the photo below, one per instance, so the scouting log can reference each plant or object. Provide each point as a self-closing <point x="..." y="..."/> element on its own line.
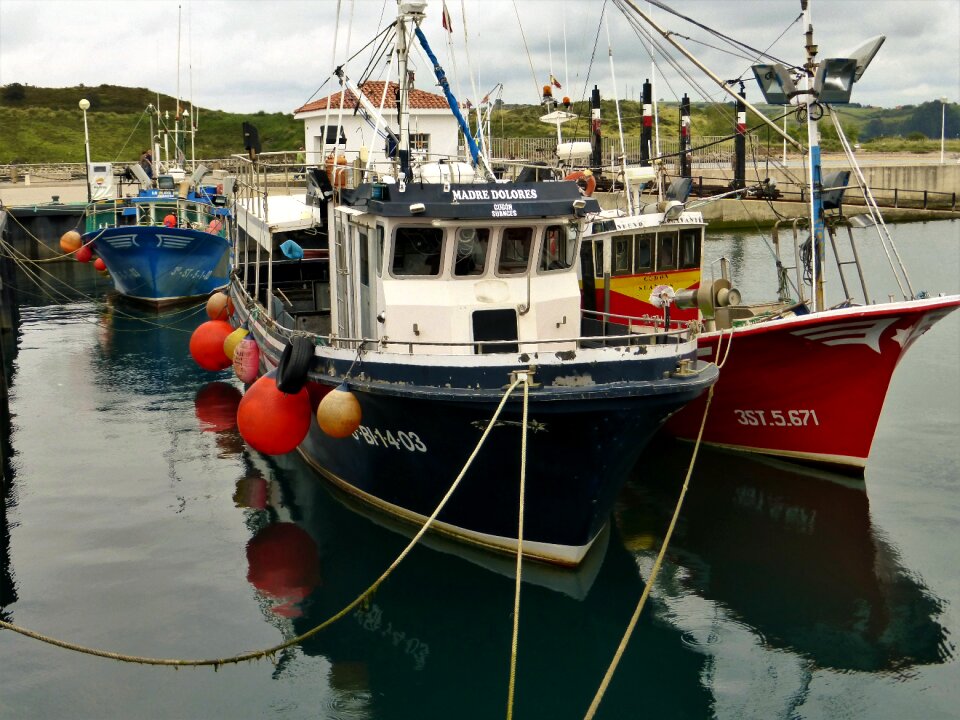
<point x="247" y="55"/>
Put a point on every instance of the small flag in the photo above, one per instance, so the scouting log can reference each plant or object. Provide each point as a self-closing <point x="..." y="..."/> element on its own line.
<point x="554" y="81"/>
<point x="447" y="22"/>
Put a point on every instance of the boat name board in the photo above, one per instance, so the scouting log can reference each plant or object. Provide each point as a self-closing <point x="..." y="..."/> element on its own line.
<point x="491" y="194"/>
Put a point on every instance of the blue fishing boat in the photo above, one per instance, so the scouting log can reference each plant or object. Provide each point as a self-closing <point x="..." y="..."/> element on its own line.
<point x="425" y="292"/>
<point x="163" y="246"/>
<point x="169" y="243"/>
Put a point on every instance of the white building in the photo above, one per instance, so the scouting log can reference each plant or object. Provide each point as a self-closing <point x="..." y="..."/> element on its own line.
<point x="433" y="128"/>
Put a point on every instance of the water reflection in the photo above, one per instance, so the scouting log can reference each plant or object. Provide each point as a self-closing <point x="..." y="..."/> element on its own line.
<point x="436" y="636"/>
<point x="146" y="351"/>
<point x="792" y="555"/>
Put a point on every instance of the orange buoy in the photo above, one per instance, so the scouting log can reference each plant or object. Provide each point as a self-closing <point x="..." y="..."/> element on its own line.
<point x="170" y="220"/>
<point x="271" y="421"/>
<point x="70" y="241"/>
<point x="216" y="406"/>
<point x="206" y="345"/>
<point x="99" y="264"/>
<point x="587" y="177"/>
<point x="83" y="254"/>
<point x="246" y="360"/>
<point x="219" y="306"/>
<point x="233" y="339"/>
<point x="339" y="412"/>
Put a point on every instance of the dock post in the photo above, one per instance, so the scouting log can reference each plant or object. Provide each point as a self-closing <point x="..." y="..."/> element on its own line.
<point x="646" y="132"/>
<point x="596" y="150"/>
<point x="685" y="136"/>
<point x="740" y="143"/>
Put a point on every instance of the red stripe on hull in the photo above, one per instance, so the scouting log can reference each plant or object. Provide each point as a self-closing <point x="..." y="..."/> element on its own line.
<point x="810" y="387"/>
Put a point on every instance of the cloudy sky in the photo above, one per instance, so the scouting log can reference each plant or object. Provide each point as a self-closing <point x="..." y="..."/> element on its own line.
<point x="249" y="55"/>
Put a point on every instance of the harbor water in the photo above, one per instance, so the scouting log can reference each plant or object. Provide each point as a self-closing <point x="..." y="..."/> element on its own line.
<point x="136" y="521"/>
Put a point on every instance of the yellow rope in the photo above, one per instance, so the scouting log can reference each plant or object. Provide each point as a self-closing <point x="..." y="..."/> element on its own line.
<point x="592" y="710"/>
<point x="516" y="595"/>
<point x="720" y="363"/>
<point x="271" y="651"/>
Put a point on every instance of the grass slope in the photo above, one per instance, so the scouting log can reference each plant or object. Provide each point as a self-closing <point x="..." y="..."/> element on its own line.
<point x="46" y="125"/>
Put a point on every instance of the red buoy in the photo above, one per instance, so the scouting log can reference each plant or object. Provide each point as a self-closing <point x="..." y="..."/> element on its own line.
<point x="84" y="254"/>
<point x="271" y="421"/>
<point x="99" y="264"/>
<point x="206" y="345"/>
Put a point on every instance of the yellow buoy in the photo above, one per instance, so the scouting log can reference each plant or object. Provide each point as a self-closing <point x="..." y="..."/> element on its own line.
<point x="339" y="412"/>
<point x="70" y="241"/>
<point x="233" y="339"/>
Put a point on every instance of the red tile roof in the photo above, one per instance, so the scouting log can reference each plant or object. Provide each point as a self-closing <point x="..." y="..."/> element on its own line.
<point x="373" y="89"/>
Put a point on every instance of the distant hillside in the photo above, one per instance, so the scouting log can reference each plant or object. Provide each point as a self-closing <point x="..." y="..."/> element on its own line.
<point x="46" y="125"/>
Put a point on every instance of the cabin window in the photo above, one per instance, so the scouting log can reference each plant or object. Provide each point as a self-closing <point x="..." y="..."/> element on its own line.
<point x="598" y="258"/>
<point x="644" y="253"/>
<point x="471" y="251"/>
<point x="379" y="250"/>
<point x="690" y="249"/>
<point x="667" y="251"/>
<point x="515" y="246"/>
<point x="364" y="258"/>
<point x="417" y="251"/>
<point x="622" y="264"/>
<point x="559" y="247"/>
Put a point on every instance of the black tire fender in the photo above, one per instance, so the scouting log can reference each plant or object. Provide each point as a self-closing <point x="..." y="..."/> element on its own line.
<point x="294" y="364"/>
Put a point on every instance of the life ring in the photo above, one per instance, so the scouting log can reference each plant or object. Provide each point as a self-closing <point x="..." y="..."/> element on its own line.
<point x="585" y="175"/>
<point x="294" y="364"/>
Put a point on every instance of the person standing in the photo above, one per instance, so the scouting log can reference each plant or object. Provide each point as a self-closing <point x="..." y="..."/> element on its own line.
<point x="146" y="162"/>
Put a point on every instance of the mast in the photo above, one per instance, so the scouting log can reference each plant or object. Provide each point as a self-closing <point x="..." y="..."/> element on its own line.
<point x="815" y="172"/>
<point x="686" y="53"/>
<point x="412" y="12"/>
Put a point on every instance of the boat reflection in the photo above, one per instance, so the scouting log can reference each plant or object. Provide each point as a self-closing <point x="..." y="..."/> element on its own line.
<point x="789" y="553"/>
<point x="436" y="636"/>
<point x="146" y="351"/>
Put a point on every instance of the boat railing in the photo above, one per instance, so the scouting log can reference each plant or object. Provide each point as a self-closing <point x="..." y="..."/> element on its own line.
<point x="482" y="347"/>
<point x="173" y="212"/>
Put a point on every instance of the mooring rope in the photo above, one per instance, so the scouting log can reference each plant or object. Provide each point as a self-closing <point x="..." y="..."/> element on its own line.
<point x="24" y="263"/>
<point x="272" y="651"/>
<point x="525" y="377"/>
<point x="592" y="710"/>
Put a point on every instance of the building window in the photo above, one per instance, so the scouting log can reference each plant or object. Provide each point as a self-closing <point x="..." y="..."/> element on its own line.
<point x="420" y="143"/>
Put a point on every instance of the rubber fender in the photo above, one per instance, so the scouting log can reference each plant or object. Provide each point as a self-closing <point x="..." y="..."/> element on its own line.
<point x="294" y="364"/>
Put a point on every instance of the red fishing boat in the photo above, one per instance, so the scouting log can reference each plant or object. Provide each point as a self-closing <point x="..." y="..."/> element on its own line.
<point x="648" y="262"/>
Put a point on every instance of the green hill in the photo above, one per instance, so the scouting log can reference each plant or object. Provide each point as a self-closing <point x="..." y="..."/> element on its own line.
<point x="46" y="125"/>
